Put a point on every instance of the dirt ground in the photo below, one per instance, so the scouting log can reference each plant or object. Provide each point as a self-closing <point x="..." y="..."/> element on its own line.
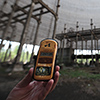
<point x="75" y="90"/>
<point x="66" y="89"/>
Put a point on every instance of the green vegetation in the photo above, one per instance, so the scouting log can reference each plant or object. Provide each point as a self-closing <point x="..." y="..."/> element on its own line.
<point x="79" y="73"/>
<point x="84" y="60"/>
<point x="25" y="56"/>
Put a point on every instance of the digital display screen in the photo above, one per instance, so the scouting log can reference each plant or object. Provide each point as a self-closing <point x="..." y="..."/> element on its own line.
<point x="43" y="71"/>
<point x="45" y="60"/>
<point x="46" y="54"/>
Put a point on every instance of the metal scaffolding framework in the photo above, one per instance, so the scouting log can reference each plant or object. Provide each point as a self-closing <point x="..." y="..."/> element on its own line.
<point x="35" y="10"/>
<point x="77" y="36"/>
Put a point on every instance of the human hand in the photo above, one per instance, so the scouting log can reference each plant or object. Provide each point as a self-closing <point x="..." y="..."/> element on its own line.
<point x="27" y="89"/>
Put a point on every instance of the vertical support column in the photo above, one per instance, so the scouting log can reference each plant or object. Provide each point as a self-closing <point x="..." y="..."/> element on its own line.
<point x="51" y="21"/>
<point x="34" y="41"/>
<point x="92" y="41"/>
<point x="76" y="41"/>
<point x="62" y="48"/>
<point x="32" y="33"/>
<point x="65" y="32"/>
<point x="23" y="53"/>
<point x="49" y="30"/>
<point x="65" y="28"/>
<point x="95" y="49"/>
<point x="63" y="43"/>
<point x="86" y="51"/>
<point x="98" y="51"/>
<point x="95" y="45"/>
<point x="82" y="51"/>
<point x="35" y="37"/>
<point x="9" y="55"/>
<point x="60" y="51"/>
<point x="24" y="33"/>
<point x="82" y="48"/>
<point x="7" y="52"/>
<point x="64" y="35"/>
<point x="13" y="28"/>
<point x="27" y="56"/>
<point x="76" y="49"/>
<point x="70" y="52"/>
<point x="1" y="11"/>
<point x="8" y="24"/>
<point x="56" y="18"/>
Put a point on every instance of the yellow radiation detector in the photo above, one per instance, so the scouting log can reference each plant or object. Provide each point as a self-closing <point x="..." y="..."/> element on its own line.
<point x="45" y="64"/>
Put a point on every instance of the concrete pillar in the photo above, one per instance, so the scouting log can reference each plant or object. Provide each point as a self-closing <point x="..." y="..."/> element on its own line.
<point x="13" y="28"/>
<point x="1" y="11"/>
<point x="49" y="30"/>
<point x="97" y="46"/>
<point x="27" y="56"/>
<point x="35" y="38"/>
<point x="24" y="33"/>
<point x="56" y="18"/>
<point x="70" y="52"/>
<point x="23" y="54"/>
<point x="97" y="49"/>
<point x="82" y="50"/>
<point x="8" y="24"/>
<point x="7" y="52"/>
<point x="76" y="48"/>
<point x="60" y="48"/>
<point x="76" y="41"/>
<point x="86" y="50"/>
<point x="63" y="50"/>
<point x="92" y="41"/>
<point x="60" y="51"/>
<point x="32" y="34"/>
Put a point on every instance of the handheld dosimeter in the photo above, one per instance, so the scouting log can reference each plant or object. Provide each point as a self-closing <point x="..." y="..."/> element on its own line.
<point x="45" y="63"/>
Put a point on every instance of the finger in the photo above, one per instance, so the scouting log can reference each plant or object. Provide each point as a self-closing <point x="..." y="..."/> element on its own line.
<point x="46" y="89"/>
<point x="26" y="80"/>
<point x="57" y="68"/>
<point x="56" y="78"/>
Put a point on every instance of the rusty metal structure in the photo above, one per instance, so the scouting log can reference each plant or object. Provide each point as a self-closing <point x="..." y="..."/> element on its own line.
<point x="78" y="37"/>
<point x="32" y="10"/>
<point x="30" y="21"/>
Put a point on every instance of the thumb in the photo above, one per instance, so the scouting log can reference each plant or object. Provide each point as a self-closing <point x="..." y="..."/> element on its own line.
<point x="26" y="80"/>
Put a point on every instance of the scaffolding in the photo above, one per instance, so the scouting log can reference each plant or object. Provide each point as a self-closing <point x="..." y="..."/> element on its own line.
<point x="77" y="36"/>
<point x="23" y="15"/>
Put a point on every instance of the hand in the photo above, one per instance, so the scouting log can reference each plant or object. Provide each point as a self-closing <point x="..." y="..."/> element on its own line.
<point x="27" y="89"/>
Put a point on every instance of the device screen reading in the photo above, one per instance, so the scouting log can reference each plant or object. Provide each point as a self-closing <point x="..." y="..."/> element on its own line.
<point x="45" y="60"/>
<point x="45" y="64"/>
<point x="46" y="54"/>
<point x="43" y="71"/>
